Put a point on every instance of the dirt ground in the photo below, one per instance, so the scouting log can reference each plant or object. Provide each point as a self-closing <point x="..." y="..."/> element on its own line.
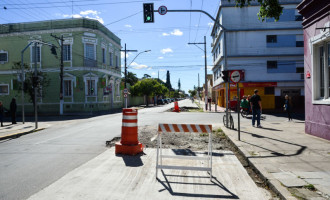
<point x="148" y="137"/>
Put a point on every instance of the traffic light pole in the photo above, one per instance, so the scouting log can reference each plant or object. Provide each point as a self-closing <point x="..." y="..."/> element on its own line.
<point x="224" y="42"/>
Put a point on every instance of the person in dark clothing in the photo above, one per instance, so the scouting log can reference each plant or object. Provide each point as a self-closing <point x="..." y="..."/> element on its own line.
<point x="1" y="113"/>
<point x="13" y="108"/>
<point x="255" y="104"/>
<point x="288" y="107"/>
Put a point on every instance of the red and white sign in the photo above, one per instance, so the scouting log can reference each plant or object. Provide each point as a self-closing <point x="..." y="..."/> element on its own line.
<point x="162" y="10"/>
<point x="235" y="76"/>
<point x="308" y="74"/>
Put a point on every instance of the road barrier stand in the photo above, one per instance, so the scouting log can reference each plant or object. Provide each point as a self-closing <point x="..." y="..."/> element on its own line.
<point x="183" y="128"/>
<point x="129" y="143"/>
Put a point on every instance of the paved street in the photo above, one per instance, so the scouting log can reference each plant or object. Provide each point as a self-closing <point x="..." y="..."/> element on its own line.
<point x="34" y="161"/>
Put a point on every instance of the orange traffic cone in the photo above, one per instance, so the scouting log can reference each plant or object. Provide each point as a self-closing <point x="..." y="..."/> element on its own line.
<point x="176" y="107"/>
<point x="129" y="143"/>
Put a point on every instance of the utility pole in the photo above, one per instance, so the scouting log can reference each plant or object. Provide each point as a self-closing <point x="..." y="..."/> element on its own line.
<point x="61" y="72"/>
<point x="35" y="78"/>
<point x="199" y="100"/>
<point x="126" y="50"/>
<point x="205" y="62"/>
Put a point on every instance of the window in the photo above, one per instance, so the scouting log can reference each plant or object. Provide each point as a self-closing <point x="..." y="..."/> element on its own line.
<point x="271" y="64"/>
<point x="3" y="57"/>
<point x="321" y="75"/>
<point x="89" y="51"/>
<point x="33" y="54"/>
<point x="111" y="59"/>
<point x="271" y="38"/>
<point x="66" y="52"/>
<point x="269" y="90"/>
<point x="299" y="43"/>
<point x="298" y="17"/>
<point x="103" y="55"/>
<point x="4" y="89"/>
<point x="117" y="61"/>
<point x="91" y="87"/>
<point x="299" y="70"/>
<point x="67" y="88"/>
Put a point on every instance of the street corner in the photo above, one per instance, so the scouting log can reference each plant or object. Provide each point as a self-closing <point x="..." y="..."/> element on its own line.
<point x="10" y="131"/>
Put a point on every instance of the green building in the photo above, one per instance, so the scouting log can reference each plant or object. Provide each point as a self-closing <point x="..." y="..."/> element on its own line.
<point x="91" y="55"/>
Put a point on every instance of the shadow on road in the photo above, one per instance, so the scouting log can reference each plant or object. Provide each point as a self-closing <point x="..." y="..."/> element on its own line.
<point x="214" y="182"/>
<point x="132" y="161"/>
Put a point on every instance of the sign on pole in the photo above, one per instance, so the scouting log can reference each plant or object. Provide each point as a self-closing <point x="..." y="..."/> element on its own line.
<point x="125" y="91"/>
<point x="235" y="76"/>
<point x="162" y="10"/>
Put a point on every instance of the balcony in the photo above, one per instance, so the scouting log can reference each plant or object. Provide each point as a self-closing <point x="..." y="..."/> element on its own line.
<point x="90" y="63"/>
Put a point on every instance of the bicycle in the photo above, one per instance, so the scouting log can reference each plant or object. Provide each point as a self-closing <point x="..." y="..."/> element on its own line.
<point x="231" y="121"/>
<point x="245" y="112"/>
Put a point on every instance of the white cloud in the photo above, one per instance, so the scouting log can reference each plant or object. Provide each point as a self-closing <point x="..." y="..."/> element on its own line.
<point x="128" y="26"/>
<point x="153" y="73"/>
<point x="138" y="66"/>
<point x="90" y="14"/>
<point x="122" y="54"/>
<point x="87" y="12"/>
<point x="160" y="57"/>
<point x="209" y="67"/>
<point x="150" y="68"/>
<point x="175" y="32"/>
<point x="162" y="70"/>
<point x="164" y="80"/>
<point x="167" y="50"/>
<point x="210" y="24"/>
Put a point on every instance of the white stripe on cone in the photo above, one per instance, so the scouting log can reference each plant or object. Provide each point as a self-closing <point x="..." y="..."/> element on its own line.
<point x="129" y="124"/>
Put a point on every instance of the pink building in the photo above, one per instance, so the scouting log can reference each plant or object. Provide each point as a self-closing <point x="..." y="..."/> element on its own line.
<point x="316" y="25"/>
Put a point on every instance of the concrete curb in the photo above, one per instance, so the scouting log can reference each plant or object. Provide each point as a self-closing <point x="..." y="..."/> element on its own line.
<point x="274" y="185"/>
<point x="16" y="135"/>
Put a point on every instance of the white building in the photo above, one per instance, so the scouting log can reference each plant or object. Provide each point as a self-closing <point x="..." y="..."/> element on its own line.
<point x="269" y="53"/>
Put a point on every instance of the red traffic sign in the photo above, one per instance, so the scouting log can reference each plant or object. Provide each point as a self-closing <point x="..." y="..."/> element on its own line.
<point x="125" y="95"/>
<point x="162" y="10"/>
<point x="235" y="76"/>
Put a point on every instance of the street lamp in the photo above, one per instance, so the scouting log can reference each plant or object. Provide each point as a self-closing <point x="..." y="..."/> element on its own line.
<point x="137" y="56"/>
<point x="128" y="66"/>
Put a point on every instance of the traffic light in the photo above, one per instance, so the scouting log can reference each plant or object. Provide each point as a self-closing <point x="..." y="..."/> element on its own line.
<point x="148" y="12"/>
<point x="225" y="75"/>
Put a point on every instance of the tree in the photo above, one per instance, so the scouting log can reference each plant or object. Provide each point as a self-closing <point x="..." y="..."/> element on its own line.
<point x="42" y="81"/>
<point x="268" y="8"/>
<point x="132" y="79"/>
<point x="168" y="80"/>
<point x="148" y="87"/>
<point x="179" y="85"/>
<point x="192" y="93"/>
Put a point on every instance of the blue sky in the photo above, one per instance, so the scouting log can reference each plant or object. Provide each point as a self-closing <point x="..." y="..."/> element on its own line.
<point x="167" y="37"/>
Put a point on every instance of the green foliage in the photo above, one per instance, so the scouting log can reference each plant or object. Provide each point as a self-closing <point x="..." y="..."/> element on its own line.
<point x="310" y="187"/>
<point x="131" y="78"/>
<point x="42" y="82"/>
<point x="192" y="93"/>
<point x="148" y="87"/>
<point x="268" y="8"/>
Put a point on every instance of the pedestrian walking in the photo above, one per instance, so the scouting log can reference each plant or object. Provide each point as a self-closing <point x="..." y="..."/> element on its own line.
<point x="288" y="107"/>
<point x="13" y="108"/>
<point x="2" y="111"/>
<point x="255" y="104"/>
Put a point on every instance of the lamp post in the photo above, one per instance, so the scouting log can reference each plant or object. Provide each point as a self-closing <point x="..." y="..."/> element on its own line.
<point x="128" y="66"/>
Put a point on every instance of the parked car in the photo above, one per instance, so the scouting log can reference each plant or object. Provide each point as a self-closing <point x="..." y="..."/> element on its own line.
<point x="160" y="102"/>
<point x="166" y="101"/>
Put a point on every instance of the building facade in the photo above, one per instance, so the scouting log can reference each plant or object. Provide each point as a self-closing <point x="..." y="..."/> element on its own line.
<point x="91" y="57"/>
<point x="316" y="26"/>
<point x="268" y="54"/>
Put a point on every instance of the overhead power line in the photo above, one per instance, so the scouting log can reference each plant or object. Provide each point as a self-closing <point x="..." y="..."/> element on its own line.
<point x="89" y="4"/>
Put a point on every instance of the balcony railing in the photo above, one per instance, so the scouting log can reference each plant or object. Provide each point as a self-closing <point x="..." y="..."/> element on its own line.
<point x="90" y="62"/>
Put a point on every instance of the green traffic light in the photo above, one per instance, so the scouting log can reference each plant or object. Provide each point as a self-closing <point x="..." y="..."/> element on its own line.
<point x="148" y="18"/>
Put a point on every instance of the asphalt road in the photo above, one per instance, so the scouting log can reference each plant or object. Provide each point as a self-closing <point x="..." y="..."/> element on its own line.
<point x="32" y="162"/>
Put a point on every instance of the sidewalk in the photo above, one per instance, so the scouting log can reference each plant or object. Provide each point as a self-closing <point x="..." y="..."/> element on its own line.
<point x="15" y="130"/>
<point x="285" y="157"/>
